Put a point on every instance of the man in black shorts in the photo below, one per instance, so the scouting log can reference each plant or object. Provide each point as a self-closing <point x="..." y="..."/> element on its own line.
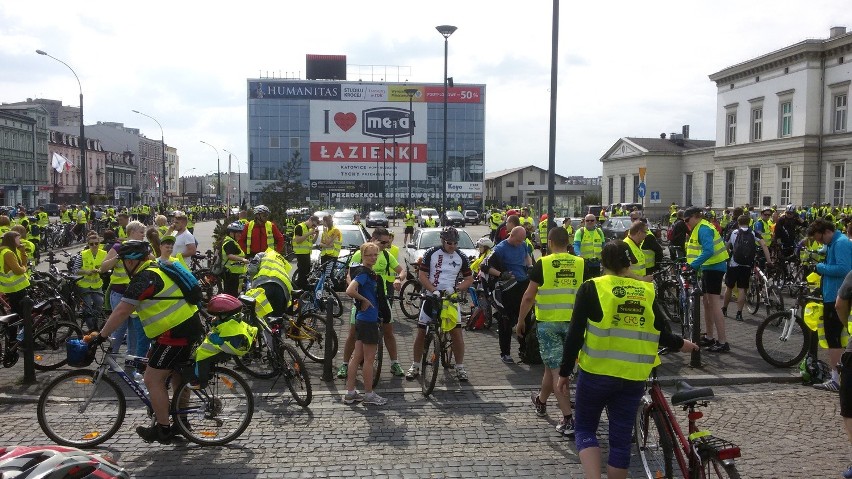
<point x="171" y="322"/>
<point x="844" y="295"/>
<point x="739" y="274"/>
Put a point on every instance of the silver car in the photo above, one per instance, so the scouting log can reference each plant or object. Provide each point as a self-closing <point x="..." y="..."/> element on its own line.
<point x="425" y="238"/>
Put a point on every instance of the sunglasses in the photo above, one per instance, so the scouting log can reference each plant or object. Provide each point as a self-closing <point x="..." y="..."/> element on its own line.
<point x="94" y="244"/>
<point x="590" y="221"/>
<point x="384" y="242"/>
<point x="451" y="242"/>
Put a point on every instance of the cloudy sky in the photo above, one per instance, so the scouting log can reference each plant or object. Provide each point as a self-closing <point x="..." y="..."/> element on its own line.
<point x="626" y="68"/>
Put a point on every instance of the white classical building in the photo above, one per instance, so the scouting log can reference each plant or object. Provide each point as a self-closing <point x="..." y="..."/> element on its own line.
<point x="782" y="133"/>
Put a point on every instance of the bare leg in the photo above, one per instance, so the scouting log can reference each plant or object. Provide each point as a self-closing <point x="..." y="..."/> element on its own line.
<point x="354" y="362"/>
<point x="369" y="352"/>
<point x="590" y="458"/>
<point x="390" y="341"/>
<point x="458" y="345"/>
<point x="155" y="381"/>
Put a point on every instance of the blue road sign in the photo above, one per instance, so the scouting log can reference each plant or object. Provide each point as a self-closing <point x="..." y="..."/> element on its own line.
<point x="655" y="195"/>
<point x="642" y="190"/>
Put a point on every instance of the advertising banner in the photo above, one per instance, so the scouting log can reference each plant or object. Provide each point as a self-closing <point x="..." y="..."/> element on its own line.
<point x="458" y="94"/>
<point x="464" y="187"/>
<point x="362" y="92"/>
<point x="305" y="91"/>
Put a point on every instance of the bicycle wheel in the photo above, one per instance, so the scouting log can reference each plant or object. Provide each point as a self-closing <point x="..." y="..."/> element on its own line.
<point x="754" y="296"/>
<point x="653" y="442"/>
<point x="409" y="298"/>
<point x="377" y="361"/>
<point x="430" y="363"/>
<point x="217" y="414"/>
<point x="777" y="348"/>
<point x="295" y="373"/>
<point x="75" y="411"/>
<point x="257" y="362"/>
<point x="670" y="301"/>
<point x="333" y="300"/>
<point x="485" y="306"/>
<point x="776" y="301"/>
<point x="313" y="329"/>
<point x="714" y="467"/>
<point x="49" y="344"/>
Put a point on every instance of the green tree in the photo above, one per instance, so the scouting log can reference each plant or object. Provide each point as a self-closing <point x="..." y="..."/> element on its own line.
<point x="287" y="191"/>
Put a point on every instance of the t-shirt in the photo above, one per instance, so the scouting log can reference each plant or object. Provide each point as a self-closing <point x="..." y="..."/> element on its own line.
<point x="181" y="240"/>
<point x="367" y="282"/>
<point x="443" y="268"/>
<point x="845" y="292"/>
<point x="513" y="258"/>
<point x="383" y="266"/>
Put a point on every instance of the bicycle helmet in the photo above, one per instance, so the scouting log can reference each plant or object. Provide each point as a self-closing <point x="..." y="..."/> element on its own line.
<point x="134" y="249"/>
<point x="485" y="242"/>
<point x="261" y="209"/>
<point x="224" y="304"/>
<point x="57" y="462"/>
<point x="235" y="227"/>
<point x="790" y="209"/>
<point x="449" y="234"/>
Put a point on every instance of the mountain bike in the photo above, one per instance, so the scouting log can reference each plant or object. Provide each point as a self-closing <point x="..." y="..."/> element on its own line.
<point x="84" y="407"/>
<point x="49" y="338"/>
<point x="664" y="449"/>
<point x="782" y="338"/>
<point x="437" y="344"/>
<point x="410" y="299"/>
<point x="763" y="292"/>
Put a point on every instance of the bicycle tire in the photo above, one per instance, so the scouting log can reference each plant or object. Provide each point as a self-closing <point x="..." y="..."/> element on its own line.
<point x="216" y="414"/>
<point x="782" y="354"/>
<point x="409" y="298"/>
<point x="653" y="442"/>
<point x="670" y="301"/>
<point x="315" y="327"/>
<point x="485" y="306"/>
<point x="60" y="415"/>
<point x="257" y="362"/>
<point x="377" y="360"/>
<point x="49" y="349"/>
<point x="430" y="363"/>
<point x="754" y="296"/>
<point x="295" y="373"/>
<point x="715" y="467"/>
<point x="333" y="299"/>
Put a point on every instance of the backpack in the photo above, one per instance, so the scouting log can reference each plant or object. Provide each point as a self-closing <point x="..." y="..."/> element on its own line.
<point x="670" y="233"/>
<point x="528" y="350"/>
<point x="814" y="371"/>
<point x="477" y="320"/>
<point x="217" y="267"/>
<point x="186" y="281"/>
<point x="744" y="248"/>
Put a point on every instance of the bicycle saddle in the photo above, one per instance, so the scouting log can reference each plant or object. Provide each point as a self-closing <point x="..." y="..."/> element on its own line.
<point x="687" y="394"/>
<point x="8" y="318"/>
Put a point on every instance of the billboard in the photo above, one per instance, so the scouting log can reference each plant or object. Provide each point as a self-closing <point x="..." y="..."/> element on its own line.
<point x="366" y="141"/>
<point x="464" y="187"/>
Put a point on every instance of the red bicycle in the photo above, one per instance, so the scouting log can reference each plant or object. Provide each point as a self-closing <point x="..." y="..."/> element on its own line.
<point x="662" y="446"/>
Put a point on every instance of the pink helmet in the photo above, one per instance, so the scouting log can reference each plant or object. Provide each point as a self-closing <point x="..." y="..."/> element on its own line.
<point x="223" y="304"/>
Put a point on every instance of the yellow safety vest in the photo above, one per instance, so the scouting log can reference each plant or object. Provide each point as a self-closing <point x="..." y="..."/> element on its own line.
<point x="163" y="230"/>
<point x="542" y="232"/>
<point x="262" y="307"/>
<point x="767" y="231"/>
<point x="164" y="310"/>
<point x="693" y="246"/>
<point x="639" y="266"/>
<point x="233" y="267"/>
<point x="409" y="219"/>
<point x="270" y="238"/>
<point x="273" y="266"/>
<point x="494" y="221"/>
<point x="120" y="233"/>
<point x="624" y="343"/>
<point x="9" y="281"/>
<point x="563" y="274"/>
<point x="65" y="217"/>
<point x="814" y="319"/>
<point x="43" y="219"/>
<point x="650" y="257"/>
<point x="80" y="216"/>
<point x="430" y="222"/>
<point x="90" y="261"/>
<point x="119" y="274"/>
<point x="334" y="249"/>
<point x="591" y="244"/>
<point x="230" y="337"/>
<point x="568" y="227"/>
<point x="303" y="247"/>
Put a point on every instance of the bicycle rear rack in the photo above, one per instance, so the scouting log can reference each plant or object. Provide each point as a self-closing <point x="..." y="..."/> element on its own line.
<point x="711" y="446"/>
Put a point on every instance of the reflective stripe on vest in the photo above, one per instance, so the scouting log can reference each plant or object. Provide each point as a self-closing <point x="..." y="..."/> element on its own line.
<point x="9" y="281"/>
<point x="591" y="244"/>
<point x="624" y="343"/>
<point x="230" y="265"/>
<point x="639" y="266"/>
<point x="159" y="314"/>
<point x="563" y="274"/>
<point x="262" y="307"/>
<point x="693" y="246"/>
<point x="542" y="232"/>
<point x="302" y="247"/>
<point x="334" y="250"/>
<point x="92" y="262"/>
<point x="270" y="238"/>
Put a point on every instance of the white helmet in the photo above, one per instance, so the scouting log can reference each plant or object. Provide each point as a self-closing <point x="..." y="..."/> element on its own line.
<point x="484" y="241"/>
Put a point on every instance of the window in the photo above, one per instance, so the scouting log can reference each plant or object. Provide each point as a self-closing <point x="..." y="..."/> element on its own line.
<point x="786" y="119"/>
<point x="785" y="185"/>
<point x="754" y="186"/>
<point x="274" y="142"/>
<point x="611" y="184"/>
<point x="708" y="188"/>
<point x="635" y="188"/>
<point x="757" y="124"/>
<point x="530" y="182"/>
<point x="729" y="187"/>
<point x="687" y="187"/>
<point x="510" y="184"/>
<point x="838" y="183"/>
<point x="623" y="187"/>
<point x="840" y="108"/>
<point x="731" y="128"/>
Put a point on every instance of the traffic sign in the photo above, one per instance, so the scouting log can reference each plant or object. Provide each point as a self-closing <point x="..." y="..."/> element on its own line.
<point x="641" y="190"/>
<point x="655" y="197"/>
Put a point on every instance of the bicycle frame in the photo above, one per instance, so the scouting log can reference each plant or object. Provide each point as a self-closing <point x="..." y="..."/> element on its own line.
<point x="111" y="364"/>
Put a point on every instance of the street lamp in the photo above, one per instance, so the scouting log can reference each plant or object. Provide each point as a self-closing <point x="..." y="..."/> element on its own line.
<point x="239" y="179"/>
<point x="163" y="144"/>
<point x="410" y="92"/>
<point x="445" y="31"/>
<point x="83" y="180"/>
<point x="218" y="169"/>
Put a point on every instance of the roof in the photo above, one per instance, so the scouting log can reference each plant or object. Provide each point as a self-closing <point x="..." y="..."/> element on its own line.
<point x="500" y="173"/>
<point x="669" y="146"/>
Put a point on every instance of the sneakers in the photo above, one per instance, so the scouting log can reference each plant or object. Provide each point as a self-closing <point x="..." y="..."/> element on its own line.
<point x="461" y="373"/>
<point x="739" y="316"/>
<point x="507" y="359"/>
<point x="847" y="474"/>
<point x="412" y="373"/>
<point x="705" y="341"/>
<point x="158" y="433"/>
<point x="396" y="370"/>
<point x="566" y="427"/>
<point x="540" y="407"/>
<point x="724" y="311"/>
<point x="830" y="385"/>
<point x="373" y="398"/>
<point x="343" y="371"/>
<point x="353" y="397"/>
<point x="720" y="348"/>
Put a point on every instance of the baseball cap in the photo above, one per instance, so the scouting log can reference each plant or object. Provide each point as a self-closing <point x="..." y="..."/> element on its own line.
<point x="179" y="214"/>
<point x="692" y="211"/>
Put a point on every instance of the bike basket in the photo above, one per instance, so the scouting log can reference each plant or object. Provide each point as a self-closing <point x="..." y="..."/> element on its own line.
<point x="812" y="315"/>
<point x="77" y="353"/>
<point x="449" y="316"/>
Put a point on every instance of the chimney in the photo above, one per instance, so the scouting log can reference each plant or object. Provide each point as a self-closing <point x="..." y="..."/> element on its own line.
<point x="836" y="32"/>
<point x="662" y="136"/>
<point x="685" y="131"/>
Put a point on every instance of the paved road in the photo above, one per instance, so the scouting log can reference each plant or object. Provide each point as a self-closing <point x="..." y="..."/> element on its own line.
<point x="483" y="428"/>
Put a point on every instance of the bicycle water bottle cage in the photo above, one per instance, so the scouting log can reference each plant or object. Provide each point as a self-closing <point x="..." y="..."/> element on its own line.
<point x="687" y="395"/>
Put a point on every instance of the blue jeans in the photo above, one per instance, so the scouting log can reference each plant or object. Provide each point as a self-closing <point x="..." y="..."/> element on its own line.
<point x="137" y="342"/>
<point x="621" y="399"/>
<point x="94" y="301"/>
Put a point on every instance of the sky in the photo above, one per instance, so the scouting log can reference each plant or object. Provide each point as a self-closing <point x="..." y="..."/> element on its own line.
<point x="625" y="68"/>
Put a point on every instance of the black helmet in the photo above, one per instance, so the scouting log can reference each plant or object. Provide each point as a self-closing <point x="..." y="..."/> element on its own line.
<point x="134" y="249"/>
<point x="450" y="234"/>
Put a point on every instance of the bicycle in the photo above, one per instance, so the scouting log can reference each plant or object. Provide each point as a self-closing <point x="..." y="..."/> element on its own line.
<point x="410" y="298"/>
<point x="437" y="344"/>
<point x="762" y="291"/>
<point x="308" y="329"/>
<point x="85" y="407"/>
<point x="782" y="338"/>
<point x="49" y="338"/>
<point x="659" y="439"/>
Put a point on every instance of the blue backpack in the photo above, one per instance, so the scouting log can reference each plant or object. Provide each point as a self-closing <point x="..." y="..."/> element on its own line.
<point x="186" y="281"/>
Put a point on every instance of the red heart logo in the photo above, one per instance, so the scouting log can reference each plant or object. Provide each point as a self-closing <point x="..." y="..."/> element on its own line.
<point x="345" y="120"/>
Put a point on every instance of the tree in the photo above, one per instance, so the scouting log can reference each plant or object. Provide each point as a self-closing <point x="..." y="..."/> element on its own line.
<point x="287" y="191"/>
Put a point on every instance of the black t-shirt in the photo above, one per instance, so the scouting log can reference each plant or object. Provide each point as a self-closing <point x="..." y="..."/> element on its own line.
<point x="679" y="233"/>
<point x="231" y="247"/>
<point x="298" y="230"/>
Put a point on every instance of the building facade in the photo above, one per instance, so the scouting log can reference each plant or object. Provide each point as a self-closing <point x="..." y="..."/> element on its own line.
<point x="23" y="155"/>
<point x="172" y="169"/>
<point x="58" y="114"/>
<point x="66" y="185"/>
<point x="357" y="142"/>
<point x="527" y="185"/>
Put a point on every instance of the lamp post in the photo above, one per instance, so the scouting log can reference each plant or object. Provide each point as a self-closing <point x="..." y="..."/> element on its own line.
<point x="410" y="92"/>
<point x="239" y="180"/>
<point x="83" y="176"/>
<point x="445" y="31"/>
<point x="163" y="144"/>
<point x="218" y="169"/>
<point x="384" y="172"/>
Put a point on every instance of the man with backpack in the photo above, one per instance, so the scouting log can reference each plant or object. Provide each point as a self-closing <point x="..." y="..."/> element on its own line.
<point x="743" y="246"/>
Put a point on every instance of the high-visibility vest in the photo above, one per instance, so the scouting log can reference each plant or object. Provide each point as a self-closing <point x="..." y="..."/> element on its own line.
<point x="274" y="266"/>
<point x="542" y="232"/>
<point x="494" y="221"/>
<point x="409" y="219"/>
<point x="119" y="274"/>
<point x="234" y="267"/>
<point x="591" y="244"/>
<point x="9" y="281"/>
<point x="568" y="227"/>
<point x="166" y="309"/>
<point x="767" y="231"/>
<point x="563" y="274"/>
<point x="80" y="216"/>
<point x="693" y="246"/>
<point x="270" y="238"/>
<point x="301" y="247"/>
<point x="65" y="216"/>
<point x="430" y="222"/>
<point x="121" y="233"/>
<point x="624" y="343"/>
<point x="163" y="230"/>
<point x="638" y="267"/>
<point x="650" y="256"/>
<point x="334" y="249"/>
<point x="92" y="262"/>
<point x="43" y="219"/>
<point x="230" y="337"/>
<point x="262" y="307"/>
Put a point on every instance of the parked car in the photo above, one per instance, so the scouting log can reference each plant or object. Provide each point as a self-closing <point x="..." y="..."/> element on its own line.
<point x="471" y="217"/>
<point x="425" y="238"/>
<point x="52" y="209"/>
<point x="390" y="212"/>
<point x="343" y="217"/>
<point x="453" y="218"/>
<point x="425" y="213"/>
<point x="376" y="218"/>
<point x="353" y="238"/>
<point x="616" y="228"/>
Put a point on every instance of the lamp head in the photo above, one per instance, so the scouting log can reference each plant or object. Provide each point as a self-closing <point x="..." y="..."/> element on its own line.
<point x="135" y="111"/>
<point x="41" y="52"/>
<point x="446" y="30"/>
<point x="410" y="92"/>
